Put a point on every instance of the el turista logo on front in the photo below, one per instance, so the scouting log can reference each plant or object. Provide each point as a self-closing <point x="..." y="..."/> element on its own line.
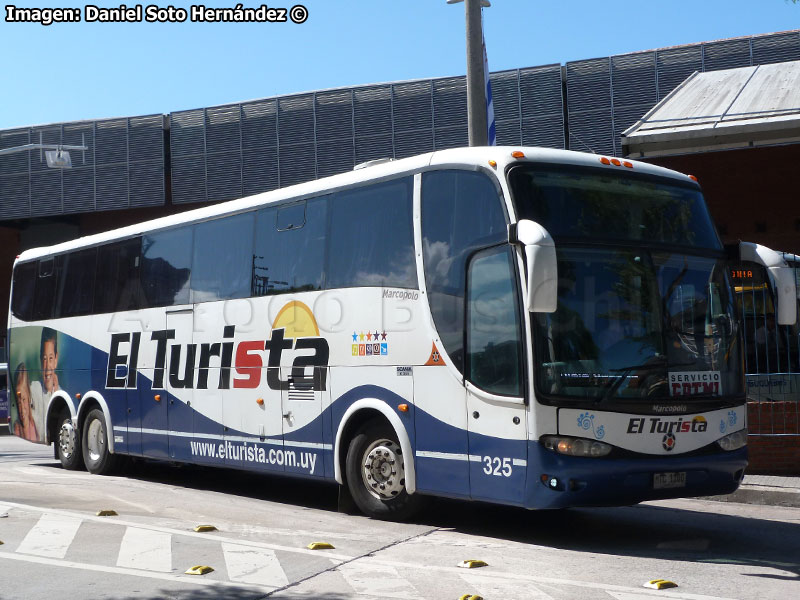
<point x="240" y="363"/>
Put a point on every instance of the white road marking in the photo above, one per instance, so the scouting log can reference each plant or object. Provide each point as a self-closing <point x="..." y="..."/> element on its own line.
<point x="253" y="565"/>
<point x="379" y="580"/>
<point x="205" y="536"/>
<point x="51" y="536"/>
<point x="492" y="587"/>
<point x="145" y="549"/>
<point x="133" y="572"/>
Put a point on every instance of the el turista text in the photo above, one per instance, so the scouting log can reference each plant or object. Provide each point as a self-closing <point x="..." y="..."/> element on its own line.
<point x="151" y="13"/>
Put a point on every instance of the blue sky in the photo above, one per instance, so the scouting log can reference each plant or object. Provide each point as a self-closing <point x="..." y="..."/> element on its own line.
<point x="74" y="71"/>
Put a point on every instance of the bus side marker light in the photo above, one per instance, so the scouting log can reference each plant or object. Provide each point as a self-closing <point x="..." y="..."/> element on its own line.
<point x="199" y="570"/>
<point x="472" y="564"/>
<point x="518" y="154"/>
<point x="493" y="164"/>
<point x="77" y="396"/>
<point x="470" y="597"/>
<point x="320" y="546"/>
<point x="660" y="584"/>
<point x="260" y="401"/>
<point x="157" y="397"/>
<point x="107" y="513"/>
<point x="205" y="528"/>
<point x="402" y="407"/>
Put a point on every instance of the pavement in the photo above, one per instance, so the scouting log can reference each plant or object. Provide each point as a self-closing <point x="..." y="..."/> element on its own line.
<point x="771" y="490"/>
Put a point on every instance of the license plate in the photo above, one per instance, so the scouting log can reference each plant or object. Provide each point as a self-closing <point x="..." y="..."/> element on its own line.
<point x="669" y="480"/>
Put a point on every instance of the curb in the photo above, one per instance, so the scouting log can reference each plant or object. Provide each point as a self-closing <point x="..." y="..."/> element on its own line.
<point x="761" y="495"/>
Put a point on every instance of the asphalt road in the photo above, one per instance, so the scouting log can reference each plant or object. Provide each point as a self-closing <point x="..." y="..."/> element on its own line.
<point x="55" y="545"/>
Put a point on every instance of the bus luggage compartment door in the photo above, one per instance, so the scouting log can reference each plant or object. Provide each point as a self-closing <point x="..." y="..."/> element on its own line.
<point x="302" y="400"/>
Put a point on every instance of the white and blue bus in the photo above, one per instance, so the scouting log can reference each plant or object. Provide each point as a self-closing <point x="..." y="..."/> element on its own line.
<point x="529" y="327"/>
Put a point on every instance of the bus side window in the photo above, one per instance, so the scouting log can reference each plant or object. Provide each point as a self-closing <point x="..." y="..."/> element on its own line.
<point x="222" y="258"/>
<point x="461" y="212"/>
<point x="372" y="237"/>
<point x="494" y="345"/>
<point x="76" y="283"/>
<point x="25" y="276"/>
<point x="46" y="287"/>
<point x="166" y="267"/>
<point x="118" y="269"/>
<point x="289" y="251"/>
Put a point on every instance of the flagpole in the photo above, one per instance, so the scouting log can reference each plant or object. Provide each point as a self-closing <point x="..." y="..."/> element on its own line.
<point x="476" y="90"/>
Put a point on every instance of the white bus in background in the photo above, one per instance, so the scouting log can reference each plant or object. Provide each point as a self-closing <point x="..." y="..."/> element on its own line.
<point x="771" y="340"/>
<point x="530" y="327"/>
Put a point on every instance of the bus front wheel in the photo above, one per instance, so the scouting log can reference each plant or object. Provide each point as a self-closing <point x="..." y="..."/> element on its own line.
<point x="68" y="446"/>
<point x="376" y="474"/>
<point x="96" y="455"/>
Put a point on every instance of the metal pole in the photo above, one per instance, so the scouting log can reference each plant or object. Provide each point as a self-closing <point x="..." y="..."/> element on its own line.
<point x="476" y="94"/>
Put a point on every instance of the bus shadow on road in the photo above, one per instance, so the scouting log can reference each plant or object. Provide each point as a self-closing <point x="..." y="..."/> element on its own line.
<point x="648" y="530"/>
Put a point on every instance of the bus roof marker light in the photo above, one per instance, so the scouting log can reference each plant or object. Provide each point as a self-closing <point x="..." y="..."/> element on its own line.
<point x="518" y="154"/>
<point x="604" y="160"/>
<point x="693" y="178"/>
<point x="627" y="164"/>
<point x="616" y="162"/>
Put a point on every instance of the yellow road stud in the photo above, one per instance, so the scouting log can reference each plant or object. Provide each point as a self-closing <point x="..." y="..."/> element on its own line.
<point x="205" y="528"/>
<point x="199" y="570"/>
<point x="320" y="546"/>
<point x="471" y="597"/>
<point x="660" y="584"/>
<point x="472" y="564"/>
<point x="107" y="513"/>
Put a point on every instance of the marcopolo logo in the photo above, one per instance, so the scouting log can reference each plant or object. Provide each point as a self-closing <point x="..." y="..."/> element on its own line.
<point x="240" y="363"/>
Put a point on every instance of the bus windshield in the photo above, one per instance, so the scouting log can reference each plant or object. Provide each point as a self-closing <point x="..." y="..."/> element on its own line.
<point x="594" y="204"/>
<point x="645" y="305"/>
<point x="639" y="324"/>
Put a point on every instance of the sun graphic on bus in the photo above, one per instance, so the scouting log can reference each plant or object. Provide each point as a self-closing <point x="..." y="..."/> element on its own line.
<point x="297" y="321"/>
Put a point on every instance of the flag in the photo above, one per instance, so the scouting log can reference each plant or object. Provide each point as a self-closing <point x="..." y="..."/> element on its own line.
<point x="488" y="84"/>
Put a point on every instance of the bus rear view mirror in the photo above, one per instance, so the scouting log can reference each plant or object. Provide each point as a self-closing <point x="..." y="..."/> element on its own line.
<point x="782" y="276"/>
<point x="542" y="270"/>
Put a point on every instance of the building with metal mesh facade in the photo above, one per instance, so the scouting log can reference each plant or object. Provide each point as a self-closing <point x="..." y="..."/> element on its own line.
<point x="235" y="150"/>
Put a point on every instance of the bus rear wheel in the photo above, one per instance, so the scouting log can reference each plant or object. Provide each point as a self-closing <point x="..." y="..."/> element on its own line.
<point x="96" y="455"/>
<point x="376" y="474"/>
<point x="68" y="443"/>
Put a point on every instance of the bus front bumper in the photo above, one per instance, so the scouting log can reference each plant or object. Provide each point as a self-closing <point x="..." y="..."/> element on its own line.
<point x="566" y="481"/>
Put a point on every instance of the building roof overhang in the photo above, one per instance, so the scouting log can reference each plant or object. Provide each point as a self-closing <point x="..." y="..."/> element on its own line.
<point x="719" y="110"/>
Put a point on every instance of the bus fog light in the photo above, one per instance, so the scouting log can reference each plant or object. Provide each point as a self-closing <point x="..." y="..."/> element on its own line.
<point x="575" y="446"/>
<point x="733" y="441"/>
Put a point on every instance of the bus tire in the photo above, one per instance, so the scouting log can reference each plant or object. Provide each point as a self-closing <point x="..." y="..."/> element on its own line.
<point x="68" y="443"/>
<point x="376" y="474"/>
<point x="96" y="456"/>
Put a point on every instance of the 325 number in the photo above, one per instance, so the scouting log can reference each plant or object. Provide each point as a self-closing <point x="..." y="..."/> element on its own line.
<point x="500" y="467"/>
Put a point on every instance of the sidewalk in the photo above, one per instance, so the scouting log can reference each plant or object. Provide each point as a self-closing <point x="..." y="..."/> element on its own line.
<point x="765" y="489"/>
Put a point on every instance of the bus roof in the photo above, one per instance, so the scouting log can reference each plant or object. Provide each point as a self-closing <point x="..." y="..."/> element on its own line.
<point x="476" y="156"/>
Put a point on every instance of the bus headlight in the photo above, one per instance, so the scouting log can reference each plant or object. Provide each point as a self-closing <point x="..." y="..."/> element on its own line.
<point x="733" y="441"/>
<point x="575" y="446"/>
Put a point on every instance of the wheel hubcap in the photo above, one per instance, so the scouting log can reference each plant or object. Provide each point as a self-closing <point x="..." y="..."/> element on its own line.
<point x="95" y="440"/>
<point x="382" y="471"/>
<point x="66" y="439"/>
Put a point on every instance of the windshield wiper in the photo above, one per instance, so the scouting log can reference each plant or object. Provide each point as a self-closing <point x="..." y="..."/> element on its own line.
<point x="659" y="361"/>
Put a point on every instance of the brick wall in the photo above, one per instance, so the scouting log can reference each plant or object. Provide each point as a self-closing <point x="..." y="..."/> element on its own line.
<point x="774" y="441"/>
